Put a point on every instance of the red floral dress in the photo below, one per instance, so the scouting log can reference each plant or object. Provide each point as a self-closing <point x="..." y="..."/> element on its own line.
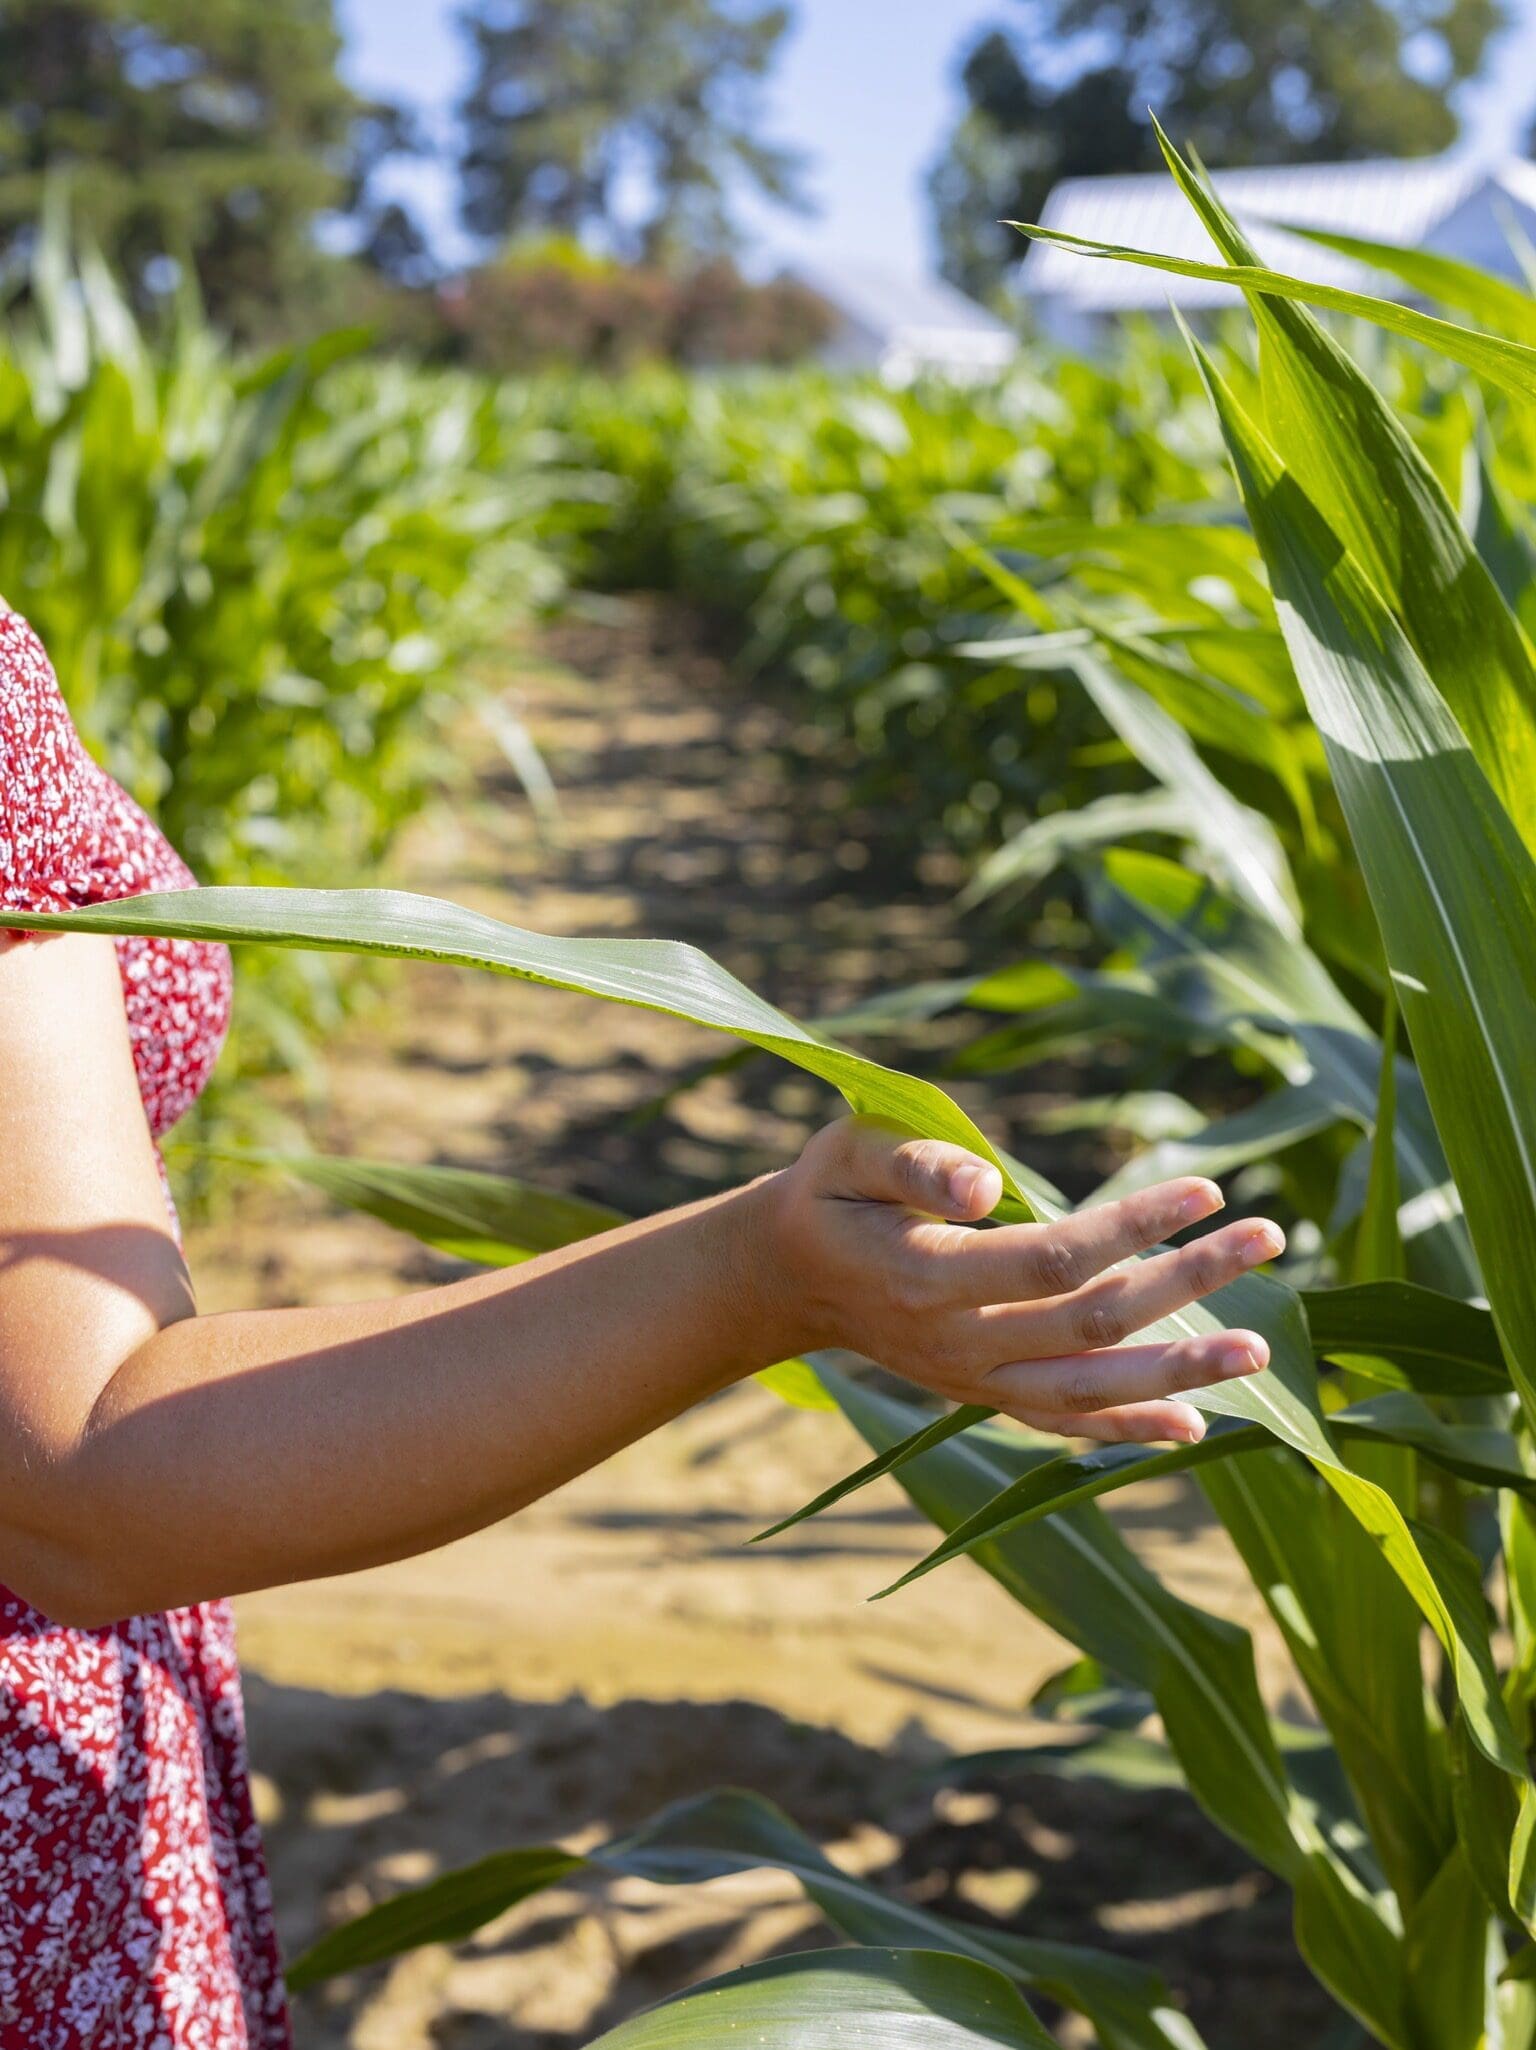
<point x="135" y="1912"/>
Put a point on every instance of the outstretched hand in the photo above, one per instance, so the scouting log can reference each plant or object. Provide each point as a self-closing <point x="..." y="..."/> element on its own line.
<point x="874" y="1237"/>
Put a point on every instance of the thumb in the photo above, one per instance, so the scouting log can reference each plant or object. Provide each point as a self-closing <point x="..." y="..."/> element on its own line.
<point x="922" y="1174"/>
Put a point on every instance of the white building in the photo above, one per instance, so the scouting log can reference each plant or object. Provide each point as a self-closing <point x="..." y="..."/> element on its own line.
<point x="904" y="327"/>
<point x="1456" y="205"/>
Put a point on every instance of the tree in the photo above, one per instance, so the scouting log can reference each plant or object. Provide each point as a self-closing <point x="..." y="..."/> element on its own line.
<point x="630" y="121"/>
<point x="212" y="131"/>
<point x="1246" y="81"/>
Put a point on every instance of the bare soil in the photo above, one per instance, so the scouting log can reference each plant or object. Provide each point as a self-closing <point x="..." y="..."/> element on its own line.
<point x="616" y="1647"/>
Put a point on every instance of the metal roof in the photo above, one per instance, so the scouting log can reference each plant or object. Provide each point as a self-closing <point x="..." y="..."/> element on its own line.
<point x="890" y="305"/>
<point x="1386" y="199"/>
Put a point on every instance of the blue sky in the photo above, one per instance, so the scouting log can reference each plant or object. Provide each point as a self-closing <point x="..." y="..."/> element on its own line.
<point x="866" y="87"/>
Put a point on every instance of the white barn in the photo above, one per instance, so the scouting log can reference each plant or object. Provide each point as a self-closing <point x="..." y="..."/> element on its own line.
<point x="1456" y="205"/>
<point x="905" y="327"/>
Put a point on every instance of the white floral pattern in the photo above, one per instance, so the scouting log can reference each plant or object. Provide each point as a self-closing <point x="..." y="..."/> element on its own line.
<point x="135" y="1912"/>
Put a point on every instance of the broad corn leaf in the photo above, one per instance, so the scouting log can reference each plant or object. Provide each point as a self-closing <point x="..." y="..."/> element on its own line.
<point x="1492" y="301"/>
<point x="884" y="1999"/>
<point x="1510" y="365"/>
<point x="1452" y="884"/>
<point x="656" y="975"/>
<point x="1357" y="464"/>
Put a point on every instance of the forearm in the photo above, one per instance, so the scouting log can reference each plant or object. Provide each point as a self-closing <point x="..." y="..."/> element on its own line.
<point x="255" y="1448"/>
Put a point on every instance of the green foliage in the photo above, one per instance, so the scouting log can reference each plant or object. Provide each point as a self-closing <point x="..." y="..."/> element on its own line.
<point x="1343" y="689"/>
<point x="819" y="513"/>
<point x="203" y="132"/>
<point x="1247" y="81"/>
<point x="261" y="581"/>
<point x="1282" y="763"/>
<point x="568" y="98"/>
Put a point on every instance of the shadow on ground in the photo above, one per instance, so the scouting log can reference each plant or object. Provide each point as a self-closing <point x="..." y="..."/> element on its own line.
<point x="376" y="1791"/>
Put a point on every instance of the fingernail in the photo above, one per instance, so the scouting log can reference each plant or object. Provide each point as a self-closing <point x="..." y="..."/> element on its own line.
<point x="1200" y="1203"/>
<point x="1234" y="1360"/>
<point x="1267" y="1243"/>
<point x="965" y="1181"/>
<point x="1192" y="1432"/>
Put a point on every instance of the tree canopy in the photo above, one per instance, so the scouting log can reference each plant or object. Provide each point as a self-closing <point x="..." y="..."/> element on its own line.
<point x="1065" y="93"/>
<point x="632" y="121"/>
<point x="215" y="132"/>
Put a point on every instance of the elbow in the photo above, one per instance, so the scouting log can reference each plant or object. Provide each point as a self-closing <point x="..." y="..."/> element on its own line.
<point x="67" y="1582"/>
<point x="71" y="1593"/>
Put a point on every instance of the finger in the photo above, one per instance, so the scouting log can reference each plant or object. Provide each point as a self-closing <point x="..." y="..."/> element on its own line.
<point x="1023" y="1263"/>
<point x="1140" y="1423"/>
<point x="1118" y="1305"/>
<point x="872" y="1163"/>
<point x="1077" y="1384"/>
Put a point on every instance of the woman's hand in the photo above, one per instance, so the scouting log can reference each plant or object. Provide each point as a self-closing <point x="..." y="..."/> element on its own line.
<point x="871" y="1252"/>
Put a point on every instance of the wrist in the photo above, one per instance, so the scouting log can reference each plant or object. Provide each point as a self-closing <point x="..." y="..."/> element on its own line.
<point x="767" y="1304"/>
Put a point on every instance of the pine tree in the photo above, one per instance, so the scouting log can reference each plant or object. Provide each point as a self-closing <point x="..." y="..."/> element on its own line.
<point x="629" y="121"/>
<point x="209" y="132"/>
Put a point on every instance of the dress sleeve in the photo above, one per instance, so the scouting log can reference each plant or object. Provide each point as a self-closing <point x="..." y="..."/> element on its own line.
<point x="43" y="840"/>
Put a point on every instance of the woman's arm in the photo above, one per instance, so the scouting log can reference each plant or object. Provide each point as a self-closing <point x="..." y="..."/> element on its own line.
<point x="150" y="1457"/>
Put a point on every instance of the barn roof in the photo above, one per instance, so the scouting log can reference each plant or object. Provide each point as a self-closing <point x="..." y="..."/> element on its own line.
<point x="1389" y="200"/>
<point x="891" y="303"/>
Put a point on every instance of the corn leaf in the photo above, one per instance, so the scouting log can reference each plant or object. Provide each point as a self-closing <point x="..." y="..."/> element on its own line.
<point x="1488" y="1458"/>
<point x="1491" y="300"/>
<point x="886" y="1999"/>
<point x="656" y="975"/>
<point x="1359" y="467"/>
<point x="1510" y="365"/>
<point x="1410" y="1336"/>
<point x="1453" y="886"/>
<point x="1076" y="1573"/>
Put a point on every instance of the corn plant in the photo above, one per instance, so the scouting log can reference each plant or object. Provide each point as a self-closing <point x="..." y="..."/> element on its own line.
<point x="264" y="582"/>
<point x="1377" y="1479"/>
<point x="815" y="514"/>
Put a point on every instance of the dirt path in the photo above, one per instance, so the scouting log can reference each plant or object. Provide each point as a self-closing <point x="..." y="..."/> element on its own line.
<point x="615" y="1647"/>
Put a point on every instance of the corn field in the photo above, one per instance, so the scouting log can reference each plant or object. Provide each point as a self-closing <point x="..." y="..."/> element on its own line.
<point x="1231" y="639"/>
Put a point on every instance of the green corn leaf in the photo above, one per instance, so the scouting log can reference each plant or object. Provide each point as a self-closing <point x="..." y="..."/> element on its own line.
<point x="1076" y="1573"/>
<point x="935" y="1432"/>
<point x="1487" y="1458"/>
<point x="1239" y="841"/>
<point x="1044" y="844"/>
<point x="1411" y="1337"/>
<point x="1453" y="887"/>
<point x="1445" y="1942"/>
<point x="656" y="975"/>
<point x="1354" y="1634"/>
<point x="1491" y="300"/>
<point x="494" y="1220"/>
<point x="1510" y="365"/>
<point x="1378" y="1241"/>
<point x="1215" y="964"/>
<point x="1359" y="467"/>
<point x="1487" y="1808"/>
<point x="1119" y="1758"/>
<point x="886" y="1999"/>
<point x="1355" y="1951"/>
<point x="1283" y="1118"/>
